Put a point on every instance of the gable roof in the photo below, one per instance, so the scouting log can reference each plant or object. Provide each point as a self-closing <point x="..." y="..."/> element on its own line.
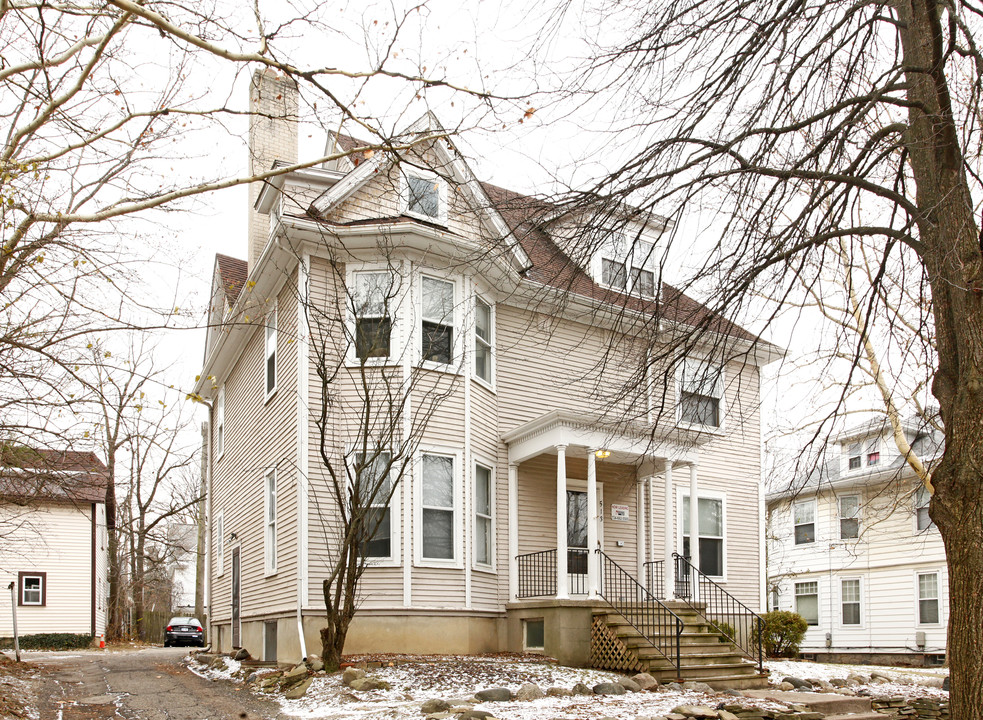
<point x="232" y="273"/>
<point x="28" y="473"/>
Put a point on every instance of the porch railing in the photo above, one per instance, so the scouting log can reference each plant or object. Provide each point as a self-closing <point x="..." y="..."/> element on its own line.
<point x="732" y="618"/>
<point x="655" y="580"/>
<point x="659" y="625"/>
<point x="537" y="573"/>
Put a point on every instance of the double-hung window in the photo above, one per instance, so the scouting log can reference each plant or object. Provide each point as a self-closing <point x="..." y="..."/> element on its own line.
<point x="642" y="280"/>
<point x="849" y="517"/>
<point x="922" y="500"/>
<point x="700" y="393"/>
<point x="710" y="550"/>
<point x="438" y="320"/>
<point x="850" y="601"/>
<point x="614" y="273"/>
<point x="775" y="599"/>
<point x="220" y="423"/>
<point x="373" y="490"/>
<point x="928" y="598"/>
<point x="873" y="452"/>
<point x="269" y="538"/>
<point x="271" y="352"/>
<point x="373" y="298"/>
<point x="804" y="520"/>
<point x="482" y="515"/>
<point x="32" y="590"/>
<point x="807" y="601"/>
<point x="855" y="455"/>
<point x="482" y="340"/>
<point x="437" y="527"/>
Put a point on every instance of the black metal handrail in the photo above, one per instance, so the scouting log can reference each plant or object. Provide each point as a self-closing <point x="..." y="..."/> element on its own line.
<point x="731" y="618"/>
<point x="537" y="573"/>
<point x="659" y="625"/>
<point x="654" y="578"/>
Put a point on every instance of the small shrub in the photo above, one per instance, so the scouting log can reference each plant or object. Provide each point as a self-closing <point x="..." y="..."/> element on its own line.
<point x="783" y="632"/>
<point x="725" y="629"/>
<point x="49" y="641"/>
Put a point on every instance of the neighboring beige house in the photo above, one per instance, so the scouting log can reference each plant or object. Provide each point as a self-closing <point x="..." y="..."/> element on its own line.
<point x="528" y="461"/>
<point x="54" y="543"/>
<point x="855" y="553"/>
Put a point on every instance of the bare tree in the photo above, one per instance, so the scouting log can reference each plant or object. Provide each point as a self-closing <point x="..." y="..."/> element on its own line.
<point x="808" y="123"/>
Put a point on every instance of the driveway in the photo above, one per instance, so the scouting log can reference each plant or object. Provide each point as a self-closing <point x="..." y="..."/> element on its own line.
<point x="138" y="684"/>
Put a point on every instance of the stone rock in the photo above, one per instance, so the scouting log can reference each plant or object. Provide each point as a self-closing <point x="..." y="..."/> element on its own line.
<point x="315" y="664"/>
<point x="205" y="658"/>
<point x="675" y="716"/>
<point x="529" y="691"/>
<point x="726" y="714"/>
<point x="609" y="689"/>
<point x="839" y="682"/>
<point x="630" y="685"/>
<point x="367" y="683"/>
<point x="560" y="692"/>
<point x="733" y="693"/>
<point x="857" y="679"/>
<point x="298" y="691"/>
<point x="494" y="695"/>
<point x="645" y="681"/>
<point x="440" y="716"/>
<point x="849" y="692"/>
<point x="241" y="654"/>
<point x="880" y="676"/>
<point x="434" y="705"/>
<point x="696" y="686"/>
<point x="945" y="683"/>
<point x="352" y="674"/>
<point x="474" y="715"/>
<point x="217" y="663"/>
<point x="673" y="686"/>
<point x="797" y="683"/>
<point x="786" y="687"/>
<point x="581" y="689"/>
<point x="695" y="711"/>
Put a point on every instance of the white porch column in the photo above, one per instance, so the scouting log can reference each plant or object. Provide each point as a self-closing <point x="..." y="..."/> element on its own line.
<point x="562" y="582"/>
<point x="668" y="566"/>
<point x="593" y="558"/>
<point x="513" y="531"/>
<point x="640" y="494"/>
<point x="694" y="530"/>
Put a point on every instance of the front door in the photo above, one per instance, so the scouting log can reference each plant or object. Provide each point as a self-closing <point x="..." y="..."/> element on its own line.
<point x="236" y="639"/>
<point x="577" y="551"/>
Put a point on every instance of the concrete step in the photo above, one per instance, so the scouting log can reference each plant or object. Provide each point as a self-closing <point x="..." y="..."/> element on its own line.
<point x="872" y="715"/>
<point x="826" y="703"/>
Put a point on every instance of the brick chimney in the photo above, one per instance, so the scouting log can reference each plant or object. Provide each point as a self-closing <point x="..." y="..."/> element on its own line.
<point x="272" y="136"/>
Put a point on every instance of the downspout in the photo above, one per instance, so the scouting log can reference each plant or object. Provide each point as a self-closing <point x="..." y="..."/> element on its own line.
<point x="303" y="391"/>
<point x="206" y="439"/>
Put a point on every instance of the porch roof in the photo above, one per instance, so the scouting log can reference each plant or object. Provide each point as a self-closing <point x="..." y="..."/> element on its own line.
<point x="627" y="443"/>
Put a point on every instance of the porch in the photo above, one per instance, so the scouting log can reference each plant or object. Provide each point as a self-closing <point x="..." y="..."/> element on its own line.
<point x="611" y="591"/>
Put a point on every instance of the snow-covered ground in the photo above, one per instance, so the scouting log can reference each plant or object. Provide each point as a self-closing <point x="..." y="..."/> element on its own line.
<point x="456" y="679"/>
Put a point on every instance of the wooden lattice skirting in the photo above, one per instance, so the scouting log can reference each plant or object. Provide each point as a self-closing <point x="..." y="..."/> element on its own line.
<point x="607" y="651"/>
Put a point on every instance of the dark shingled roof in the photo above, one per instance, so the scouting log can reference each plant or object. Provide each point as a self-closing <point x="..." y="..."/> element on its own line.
<point x="31" y="473"/>
<point x="232" y="273"/>
<point x="525" y="216"/>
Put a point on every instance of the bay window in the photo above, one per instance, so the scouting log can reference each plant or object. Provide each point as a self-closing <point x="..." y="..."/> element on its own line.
<point x="372" y="296"/>
<point x="483" y="539"/>
<point x="807" y="601"/>
<point x="482" y="340"/>
<point x="850" y="601"/>
<point x="373" y="489"/>
<point x="804" y="520"/>
<point x="437" y="504"/>
<point x="438" y="320"/>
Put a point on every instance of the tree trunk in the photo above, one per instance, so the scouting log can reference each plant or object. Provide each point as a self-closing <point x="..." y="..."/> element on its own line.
<point x="114" y="624"/>
<point x="953" y="262"/>
<point x="138" y="589"/>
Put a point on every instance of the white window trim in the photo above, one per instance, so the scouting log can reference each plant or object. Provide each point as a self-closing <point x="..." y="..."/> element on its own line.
<point x="775" y="599"/>
<point x="41" y="589"/>
<point x="483" y="567"/>
<point x="815" y="522"/>
<point x="270" y="529"/>
<point x="863" y="605"/>
<point x="941" y="585"/>
<point x="267" y="353"/>
<point x="859" y="518"/>
<point x="490" y="383"/>
<point x="396" y="339"/>
<point x="914" y="512"/>
<point x="219" y="544"/>
<point x="819" y="600"/>
<point x="702" y="495"/>
<point x="607" y="252"/>
<point x="395" y="516"/>
<point x="220" y="423"/>
<point x="455" y="366"/>
<point x="458" y="484"/>
<point x="404" y="194"/>
<point x="722" y="400"/>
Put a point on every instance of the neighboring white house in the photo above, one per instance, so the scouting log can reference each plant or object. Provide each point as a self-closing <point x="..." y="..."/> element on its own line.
<point x="406" y="265"/>
<point x="856" y="554"/>
<point x="182" y="549"/>
<point x="54" y="542"/>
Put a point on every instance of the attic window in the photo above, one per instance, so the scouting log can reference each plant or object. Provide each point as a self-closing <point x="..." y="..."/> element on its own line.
<point x="627" y="265"/>
<point x="856" y="450"/>
<point x="423" y="196"/>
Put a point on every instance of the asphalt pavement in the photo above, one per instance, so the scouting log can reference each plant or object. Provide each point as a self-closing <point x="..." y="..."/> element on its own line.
<point x="139" y="684"/>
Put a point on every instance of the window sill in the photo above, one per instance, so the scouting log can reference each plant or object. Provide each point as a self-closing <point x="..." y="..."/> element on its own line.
<point x="381" y="563"/>
<point x="270" y="396"/>
<point x="718" y="430"/>
<point x="270" y="573"/>
<point x="438" y="564"/>
<point x="485" y="569"/>
<point x="438" y="220"/>
<point x="485" y="384"/>
<point x="451" y="368"/>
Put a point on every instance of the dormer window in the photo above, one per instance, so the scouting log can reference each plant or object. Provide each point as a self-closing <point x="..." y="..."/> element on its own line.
<point x="425" y="196"/>
<point x="854" y="454"/>
<point x="873" y="453"/>
<point x="628" y="269"/>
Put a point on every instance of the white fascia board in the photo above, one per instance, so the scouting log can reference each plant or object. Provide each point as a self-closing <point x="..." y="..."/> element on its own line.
<point x="349" y="184"/>
<point x="314" y="177"/>
<point x="271" y="271"/>
<point x="900" y="473"/>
